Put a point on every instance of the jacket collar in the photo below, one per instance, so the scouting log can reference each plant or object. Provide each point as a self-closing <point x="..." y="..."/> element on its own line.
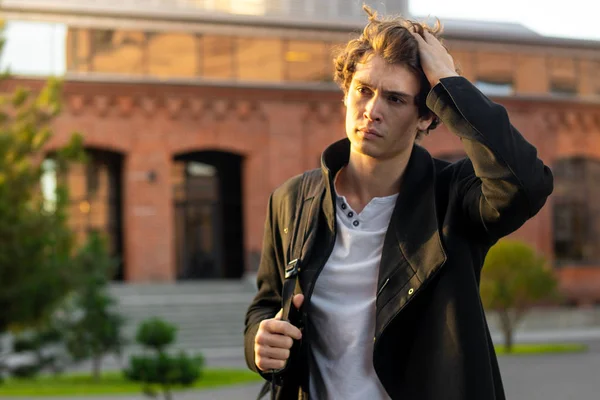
<point x="333" y="159"/>
<point x="414" y="219"/>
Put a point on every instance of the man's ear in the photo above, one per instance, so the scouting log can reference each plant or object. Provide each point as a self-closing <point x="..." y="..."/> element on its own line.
<point x="425" y="122"/>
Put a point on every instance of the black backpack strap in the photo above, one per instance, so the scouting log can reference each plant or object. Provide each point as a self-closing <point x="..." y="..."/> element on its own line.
<point x="294" y="254"/>
<point x="310" y="189"/>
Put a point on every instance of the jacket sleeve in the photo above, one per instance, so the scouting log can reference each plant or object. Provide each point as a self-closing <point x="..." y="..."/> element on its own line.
<point x="267" y="301"/>
<point x="505" y="183"/>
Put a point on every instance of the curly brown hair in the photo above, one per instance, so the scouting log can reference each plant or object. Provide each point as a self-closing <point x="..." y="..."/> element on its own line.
<point x="391" y="38"/>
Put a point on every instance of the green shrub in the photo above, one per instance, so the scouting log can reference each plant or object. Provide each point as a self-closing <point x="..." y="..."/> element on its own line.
<point x="159" y="367"/>
<point x="165" y="369"/>
<point x="514" y="278"/>
<point x="156" y="333"/>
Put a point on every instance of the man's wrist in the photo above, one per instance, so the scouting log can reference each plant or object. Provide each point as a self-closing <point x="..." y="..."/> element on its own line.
<point x="439" y="77"/>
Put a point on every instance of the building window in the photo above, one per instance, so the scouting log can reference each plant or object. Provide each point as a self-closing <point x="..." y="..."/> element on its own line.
<point x="259" y="59"/>
<point x="79" y="50"/>
<point x="95" y="200"/>
<point x="196" y="194"/>
<point x="562" y="73"/>
<point x="563" y="88"/>
<point x="48" y="185"/>
<point x="184" y="55"/>
<point x="495" y="88"/>
<point x="118" y="51"/>
<point x="576" y="212"/>
<point x="173" y="55"/>
<point x="306" y="61"/>
<point x="570" y="230"/>
<point x="217" y="56"/>
<point x="33" y="48"/>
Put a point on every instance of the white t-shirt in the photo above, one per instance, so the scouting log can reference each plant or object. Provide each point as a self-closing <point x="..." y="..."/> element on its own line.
<point x="343" y="306"/>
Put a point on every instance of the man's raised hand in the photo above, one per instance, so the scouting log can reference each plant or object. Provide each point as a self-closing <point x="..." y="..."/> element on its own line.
<point x="436" y="62"/>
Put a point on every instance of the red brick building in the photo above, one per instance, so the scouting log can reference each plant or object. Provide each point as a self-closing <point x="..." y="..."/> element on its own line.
<point x="194" y="117"/>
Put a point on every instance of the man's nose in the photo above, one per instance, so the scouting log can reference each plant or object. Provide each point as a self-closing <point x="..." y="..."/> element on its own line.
<point x="373" y="109"/>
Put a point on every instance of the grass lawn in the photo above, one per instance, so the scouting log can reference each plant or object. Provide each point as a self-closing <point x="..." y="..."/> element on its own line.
<point x="542" y="348"/>
<point x="113" y="383"/>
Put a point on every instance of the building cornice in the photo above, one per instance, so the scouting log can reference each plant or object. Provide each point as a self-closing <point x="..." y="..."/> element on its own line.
<point x="284" y="91"/>
<point x="92" y="15"/>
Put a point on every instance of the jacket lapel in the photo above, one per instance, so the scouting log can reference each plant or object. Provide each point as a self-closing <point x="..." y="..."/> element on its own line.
<point x="412" y="250"/>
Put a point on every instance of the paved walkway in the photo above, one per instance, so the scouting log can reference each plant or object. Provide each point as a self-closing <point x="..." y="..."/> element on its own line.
<point x="552" y="377"/>
<point x="242" y="392"/>
<point x="541" y="377"/>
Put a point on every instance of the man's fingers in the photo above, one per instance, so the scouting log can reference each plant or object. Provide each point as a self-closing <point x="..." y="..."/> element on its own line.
<point x="274" y="340"/>
<point x="418" y="37"/>
<point x="274" y="353"/>
<point x="427" y="39"/>
<point x="283" y="328"/>
<point x="268" y="364"/>
<point x="279" y="314"/>
<point x="298" y="300"/>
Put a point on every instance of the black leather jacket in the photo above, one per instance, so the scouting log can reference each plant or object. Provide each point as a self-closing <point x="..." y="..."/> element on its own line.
<point x="431" y="337"/>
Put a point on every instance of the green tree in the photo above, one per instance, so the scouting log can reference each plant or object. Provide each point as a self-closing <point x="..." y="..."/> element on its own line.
<point x="36" y="270"/>
<point x="514" y="279"/>
<point x="159" y="367"/>
<point x="95" y="326"/>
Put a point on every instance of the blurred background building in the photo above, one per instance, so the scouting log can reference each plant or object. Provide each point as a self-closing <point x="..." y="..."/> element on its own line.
<point x="195" y="110"/>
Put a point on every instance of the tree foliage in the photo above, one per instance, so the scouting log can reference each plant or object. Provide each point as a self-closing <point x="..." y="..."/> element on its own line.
<point x="514" y="279"/>
<point x="94" y="328"/>
<point x="35" y="242"/>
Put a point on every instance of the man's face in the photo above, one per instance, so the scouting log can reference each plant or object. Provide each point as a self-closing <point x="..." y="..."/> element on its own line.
<point x="382" y="118"/>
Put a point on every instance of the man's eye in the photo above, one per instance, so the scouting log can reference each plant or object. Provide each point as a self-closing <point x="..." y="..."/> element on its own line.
<point x="362" y="90"/>
<point x="395" y="99"/>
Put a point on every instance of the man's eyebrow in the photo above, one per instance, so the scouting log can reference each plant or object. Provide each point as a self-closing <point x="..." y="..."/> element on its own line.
<point x="386" y="92"/>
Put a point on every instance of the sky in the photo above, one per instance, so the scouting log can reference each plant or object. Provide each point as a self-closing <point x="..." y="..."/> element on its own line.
<point x="39" y="49"/>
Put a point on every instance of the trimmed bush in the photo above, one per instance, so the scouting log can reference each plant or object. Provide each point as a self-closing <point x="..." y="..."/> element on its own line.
<point x="159" y="367"/>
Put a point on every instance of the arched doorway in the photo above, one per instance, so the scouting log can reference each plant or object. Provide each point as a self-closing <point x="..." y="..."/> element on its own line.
<point x="209" y="240"/>
<point x="95" y="198"/>
<point x="576" y="211"/>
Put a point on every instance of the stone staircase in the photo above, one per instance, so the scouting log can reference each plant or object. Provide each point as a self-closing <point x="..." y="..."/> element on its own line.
<point x="209" y="315"/>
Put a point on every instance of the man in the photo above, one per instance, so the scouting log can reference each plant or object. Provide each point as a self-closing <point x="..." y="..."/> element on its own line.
<point x="387" y="303"/>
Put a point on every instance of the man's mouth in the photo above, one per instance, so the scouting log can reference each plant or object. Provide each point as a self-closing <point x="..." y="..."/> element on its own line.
<point x="369" y="132"/>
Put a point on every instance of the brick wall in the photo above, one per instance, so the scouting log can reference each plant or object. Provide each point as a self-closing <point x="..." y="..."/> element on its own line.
<point x="279" y="133"/>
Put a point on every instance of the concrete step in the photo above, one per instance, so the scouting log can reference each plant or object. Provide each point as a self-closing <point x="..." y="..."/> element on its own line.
<point x="208" y="314"/>
<point x="184" y="288"/>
